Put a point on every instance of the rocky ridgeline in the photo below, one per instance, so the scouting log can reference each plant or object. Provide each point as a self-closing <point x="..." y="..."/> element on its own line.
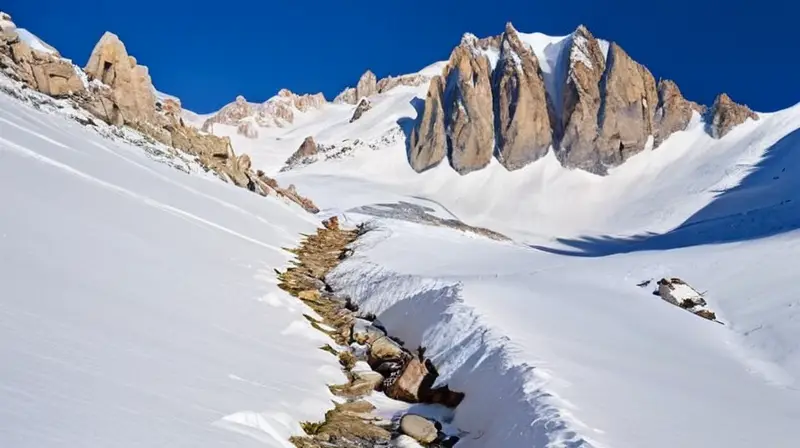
<point x="278" y="111"/>
<point x="116" y="89"/>
<point x="608" y="110"/>
<point x="369" y="85"/>
<point x="371" y="359"/>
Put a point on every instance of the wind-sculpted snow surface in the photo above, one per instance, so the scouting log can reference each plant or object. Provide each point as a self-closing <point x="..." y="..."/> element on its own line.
<point x="557" y="351"/>
<point x="139" y="306"/>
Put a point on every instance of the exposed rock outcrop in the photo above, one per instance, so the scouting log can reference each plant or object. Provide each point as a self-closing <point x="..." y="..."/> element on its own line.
<point x="231" y="113"/>
<point x="628" y="103"/>
<point x="419" y="428"/>
<point x="278" y="111"/>
<point x="428" y="141"/>
<point x="726" y="114"/>
<point x="367" y="85"/>
<point x="346" y="96"/>
<point x="521" y="107"/>
<point x="363" y="106"/>
<point x="673" y="112"/>
<point x="43" y="71"/>
<point x="390" y="82"/>
<point x="247" y="128"/>
<point x="581" y="102"/>
<point x="130" y="83"/>
<point x="469" y="117"/>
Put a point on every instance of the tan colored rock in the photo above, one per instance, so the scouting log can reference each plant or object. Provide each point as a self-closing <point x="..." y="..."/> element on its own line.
<point x="131" y="84"/>
<point x="629" y="99"/>
<point x="131" y="87"/>
<point x="230" y="114"/>
<point x="469" y="117"/>
<point x="347" y="96"/>
<point x="581" y="103"/>
<point x="385" y="349"/>
<point x="521" y="112"/>
<point x="673" y="112"/>
<point x="390" y="82"/>
<point x="428" y="141"/>
<point x="363" y="106"/>
<point x="409" y="385"/>
<point x="419" y="428"/>
<point x="45" y="72"/>
<point x="244" y="162"/>
<point x="367" y="85"/>
<point x="55" y="77"/>
<point x="727" y="114"/>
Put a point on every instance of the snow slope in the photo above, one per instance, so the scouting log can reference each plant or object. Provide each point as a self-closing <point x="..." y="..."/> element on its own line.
<point x="560" y="351"/>
<point x="139" y="305"/>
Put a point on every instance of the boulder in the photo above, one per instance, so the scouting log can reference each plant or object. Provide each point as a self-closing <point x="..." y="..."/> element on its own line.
<point x="132" y="88"/>
<point x="428" y="141"/>
<point x="413" y="382"/>
<point x="581" y="102"/>
<point x="726" y="115"/>
<point x="469" y="117"/>
<point x="521" y="113"/>
<point x="363" y="106"/>
<point x="365" y="333"/>
<point x="385" y="349"/>
<point x="419" y="428"/>
<point x="628" y="103"/>
<point x="244" y="163"/>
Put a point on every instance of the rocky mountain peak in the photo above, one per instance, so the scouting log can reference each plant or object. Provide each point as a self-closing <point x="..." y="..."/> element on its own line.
<point x="468" y="107"/>
<point x="727" y="114"/>
<point x="130" y="83"/>
<point x="628" y="102"/>
<point x="522" y="110"/>
<point x="278" y="111"/>
<point x="581" y="102"/>
<point x="609" y="107"/>
<point x="673" y="111"/>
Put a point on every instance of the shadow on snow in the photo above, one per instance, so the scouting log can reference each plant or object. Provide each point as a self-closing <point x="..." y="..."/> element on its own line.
<point x="765" y="203"/>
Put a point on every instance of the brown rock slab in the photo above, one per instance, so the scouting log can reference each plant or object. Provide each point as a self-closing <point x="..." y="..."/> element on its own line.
<point x="628" y="103"/>
<point x="727" y="114"/>
<point x="428" y="141"/>
<point x="521" y="106"/>
<point x="469" y="116"/>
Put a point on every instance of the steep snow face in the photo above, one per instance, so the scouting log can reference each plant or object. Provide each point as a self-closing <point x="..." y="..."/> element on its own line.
<point x="553" y="350"/>
<point x="139" y="306"/>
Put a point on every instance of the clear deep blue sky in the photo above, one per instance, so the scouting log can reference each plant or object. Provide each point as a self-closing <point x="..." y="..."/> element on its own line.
<point x="208" y="52"/>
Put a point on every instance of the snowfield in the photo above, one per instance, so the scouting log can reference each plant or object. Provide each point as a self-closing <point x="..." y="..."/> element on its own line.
<point x="140" y="307"/>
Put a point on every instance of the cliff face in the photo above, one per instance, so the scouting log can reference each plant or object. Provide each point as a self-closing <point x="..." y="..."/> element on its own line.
<point x="492" y="100"/>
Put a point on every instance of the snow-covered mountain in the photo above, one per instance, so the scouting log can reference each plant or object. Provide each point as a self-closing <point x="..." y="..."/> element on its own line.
<point x="140" y="305"/>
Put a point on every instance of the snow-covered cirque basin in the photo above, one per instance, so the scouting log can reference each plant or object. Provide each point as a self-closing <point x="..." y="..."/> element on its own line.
<point x="139" y="308"/>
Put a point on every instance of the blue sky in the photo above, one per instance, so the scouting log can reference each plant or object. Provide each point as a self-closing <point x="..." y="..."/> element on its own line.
<point x="208" y="52"/>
